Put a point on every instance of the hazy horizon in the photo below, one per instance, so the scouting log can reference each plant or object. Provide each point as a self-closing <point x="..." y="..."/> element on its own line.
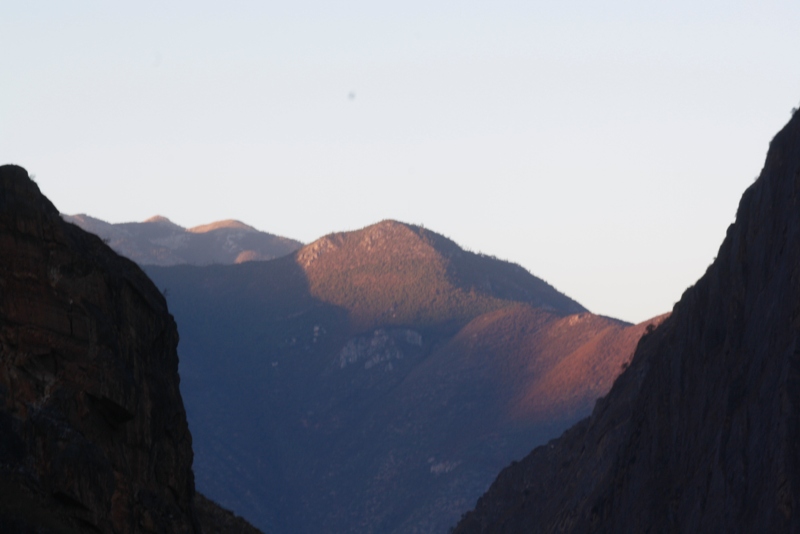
<point x="602" y="147"/>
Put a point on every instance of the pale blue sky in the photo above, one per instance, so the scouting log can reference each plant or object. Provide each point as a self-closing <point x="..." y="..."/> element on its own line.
<point x="602" y="145"/>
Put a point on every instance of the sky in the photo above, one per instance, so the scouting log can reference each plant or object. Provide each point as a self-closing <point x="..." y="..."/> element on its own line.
<point x="603" y="146"/>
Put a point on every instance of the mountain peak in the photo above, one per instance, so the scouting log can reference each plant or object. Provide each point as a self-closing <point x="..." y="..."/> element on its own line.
<point x="159" y="241"/>
<point x="387" y="241"/>
<point x="388" y="223"/>
<point x="160" y="219"/>
<point x="408" y="270"/>
<point x="230" y="224"/>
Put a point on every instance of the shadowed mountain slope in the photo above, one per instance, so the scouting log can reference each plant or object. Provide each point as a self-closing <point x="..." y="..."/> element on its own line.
<point x="375" y="381"/>
<point x="159" y="241"/>
<point x="702" y="432"/>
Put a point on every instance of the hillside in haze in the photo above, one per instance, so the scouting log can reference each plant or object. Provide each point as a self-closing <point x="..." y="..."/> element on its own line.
<point x="376" y="381"/>
<point x="159" y="241"/>
<point x="93" y="432"/>
<point x="702" y="432"/>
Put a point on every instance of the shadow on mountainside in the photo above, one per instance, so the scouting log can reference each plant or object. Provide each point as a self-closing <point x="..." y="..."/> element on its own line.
<point x="247" y="333"/>
<point x="356" y="386"/>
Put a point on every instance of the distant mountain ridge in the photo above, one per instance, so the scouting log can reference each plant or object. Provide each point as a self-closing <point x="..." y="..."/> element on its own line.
<point x="159" y="241"/>
<point x="376" y="380"/>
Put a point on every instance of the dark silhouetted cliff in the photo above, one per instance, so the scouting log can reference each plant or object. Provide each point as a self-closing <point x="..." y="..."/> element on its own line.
<point x="702" y="432"/>
<point x="93" y="433"/>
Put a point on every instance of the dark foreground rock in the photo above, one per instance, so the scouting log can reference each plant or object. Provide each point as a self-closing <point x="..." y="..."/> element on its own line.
<point x="93" y="433"/>
<point x="702" y="432"/>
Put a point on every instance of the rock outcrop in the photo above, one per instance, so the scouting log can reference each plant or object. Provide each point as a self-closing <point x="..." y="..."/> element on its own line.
<point x="702" y="432"/>
<point x="93" y="433"/>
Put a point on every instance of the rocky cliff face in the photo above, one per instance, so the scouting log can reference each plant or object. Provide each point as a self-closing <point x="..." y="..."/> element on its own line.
<point x="93" y="433"/>
<point x="702" y="432"/>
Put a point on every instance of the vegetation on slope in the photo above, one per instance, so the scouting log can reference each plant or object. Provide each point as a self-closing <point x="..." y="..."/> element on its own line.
<point x="374" y="381"/>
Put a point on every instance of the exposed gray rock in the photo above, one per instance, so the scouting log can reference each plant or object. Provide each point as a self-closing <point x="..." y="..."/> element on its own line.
<point x="382" y="347"/>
